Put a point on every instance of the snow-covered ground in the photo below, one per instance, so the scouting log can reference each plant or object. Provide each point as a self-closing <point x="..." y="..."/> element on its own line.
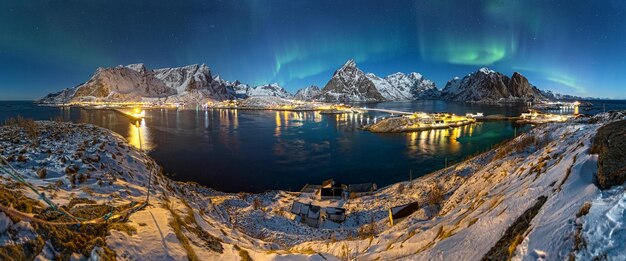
<point x="603" y="229"/>
<point x="465" y="209"/>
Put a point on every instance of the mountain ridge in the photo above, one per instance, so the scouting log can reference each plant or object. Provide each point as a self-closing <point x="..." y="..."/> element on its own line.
<point x="134" y="82"/>
<point x="196" y="83"/>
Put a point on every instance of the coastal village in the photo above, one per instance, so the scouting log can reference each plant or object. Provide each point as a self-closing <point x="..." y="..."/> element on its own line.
<point x="398" y="121"/>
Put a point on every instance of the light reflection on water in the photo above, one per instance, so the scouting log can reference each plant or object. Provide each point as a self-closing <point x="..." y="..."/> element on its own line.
<point x="241" y="150"/>
<point x="139" y="135"/>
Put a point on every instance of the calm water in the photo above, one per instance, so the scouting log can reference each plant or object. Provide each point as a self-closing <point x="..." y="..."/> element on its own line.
<point x="236" y="150"/>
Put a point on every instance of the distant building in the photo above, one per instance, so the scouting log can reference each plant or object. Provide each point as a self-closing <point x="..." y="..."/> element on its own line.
<point x="331" y="193"/>
<point x="332" y="189"/>
<point x="331" y="183"/>
<point x="474" y="115"/>
<point x="335" y="214"/>
<point x="307" y="213"/>
<point x="313" y="217"/>
<point x="362" y="189"/>
<point x="399" y="213"/>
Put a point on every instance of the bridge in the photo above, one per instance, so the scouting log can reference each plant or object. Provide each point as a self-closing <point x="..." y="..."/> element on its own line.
<point x="387" y="111"/>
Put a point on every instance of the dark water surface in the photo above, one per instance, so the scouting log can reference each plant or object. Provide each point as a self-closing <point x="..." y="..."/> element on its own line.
<point x="238" y="150"/>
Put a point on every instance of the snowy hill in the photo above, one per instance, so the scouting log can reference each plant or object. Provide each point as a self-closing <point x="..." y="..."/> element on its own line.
<point x="350" y="84"/>
<point x="531" y="198"/>
<point x="192" y="83"/>
<point x="488" y="86"/>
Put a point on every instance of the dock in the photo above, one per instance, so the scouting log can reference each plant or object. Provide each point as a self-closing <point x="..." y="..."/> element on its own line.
<point x="497" y="117"/>
<point x="133" y="114"/>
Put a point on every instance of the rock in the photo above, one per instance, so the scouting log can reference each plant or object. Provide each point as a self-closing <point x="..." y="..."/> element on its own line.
<point x="42" y="173"/>
<point x="610" y="145"/>
<point x="71" y="169"/>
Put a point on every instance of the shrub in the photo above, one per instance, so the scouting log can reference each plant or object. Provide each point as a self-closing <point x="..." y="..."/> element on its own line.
<point x="584" y="210"/>
<point x="256" y="203"/>
<point x="435" y="196"/>
<point x="42" y="173"/>
<point x="30" y="127"/>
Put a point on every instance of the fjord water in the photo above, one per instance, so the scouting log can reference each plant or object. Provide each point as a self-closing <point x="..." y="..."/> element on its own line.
<point x="253" y="151"/>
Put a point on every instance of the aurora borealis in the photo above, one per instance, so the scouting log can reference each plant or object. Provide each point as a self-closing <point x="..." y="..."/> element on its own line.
<point x="573" y="47"/>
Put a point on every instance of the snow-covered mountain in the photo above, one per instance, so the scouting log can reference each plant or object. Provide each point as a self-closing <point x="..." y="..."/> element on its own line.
<point x="192" y="83"/>
<point x="564" y="97"/>
<point x="488" y="86"/>
<point x="409" y="86"/>
<point x="307" y="93"/>
<point x="263" y="90"/>
<point x="350" y="84"/>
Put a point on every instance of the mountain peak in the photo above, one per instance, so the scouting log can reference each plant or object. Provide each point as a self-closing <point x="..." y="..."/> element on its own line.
<point x="349" y="64"/>
<point x="486" y="70"/>
<point x="489" y="86"/>
<point x="138" y="67"/>
<point x="416" y="75"/>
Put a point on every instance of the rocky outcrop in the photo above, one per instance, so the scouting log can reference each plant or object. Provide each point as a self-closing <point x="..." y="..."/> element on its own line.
<point x="488" y="86"/>
<point x="610" y="145"/>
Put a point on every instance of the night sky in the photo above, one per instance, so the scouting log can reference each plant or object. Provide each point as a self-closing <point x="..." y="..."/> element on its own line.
<point x="574" y="47"/>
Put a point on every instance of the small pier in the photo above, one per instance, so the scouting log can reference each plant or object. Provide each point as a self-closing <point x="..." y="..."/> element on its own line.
<point x="133" y="114"/>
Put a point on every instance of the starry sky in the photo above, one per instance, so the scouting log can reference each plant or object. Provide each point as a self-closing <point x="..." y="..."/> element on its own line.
<point x="576" y="47"/>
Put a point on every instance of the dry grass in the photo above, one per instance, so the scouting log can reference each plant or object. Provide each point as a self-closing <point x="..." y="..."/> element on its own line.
<point x="27" y="125"/>
<point x="520" y="144"/>
<point x="584" y="210"/>
<point x="124" y="227"/>
<point x="245" y="256"/>
<point x="65" y="239"/>
<point x="435" y="196"/>
<point x="505" y="247"/>
<point x="579" y="241"/>
<point x="177" y="225"/>
<point x="442" y="233"/>
<point x="472" y="222"/>
<point x="190" y="224"/>
<point x="567" y="173"/>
